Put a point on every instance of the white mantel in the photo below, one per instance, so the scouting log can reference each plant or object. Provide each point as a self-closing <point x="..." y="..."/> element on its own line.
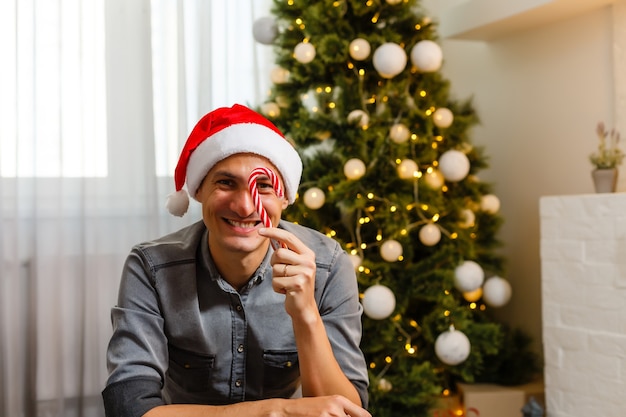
<point x="583" y="269"/>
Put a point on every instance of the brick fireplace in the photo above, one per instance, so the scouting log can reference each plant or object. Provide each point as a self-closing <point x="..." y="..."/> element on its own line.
<point x="583" y="272"/>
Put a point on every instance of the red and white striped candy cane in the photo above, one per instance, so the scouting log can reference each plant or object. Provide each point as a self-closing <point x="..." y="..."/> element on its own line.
<point x="254" y="191"/>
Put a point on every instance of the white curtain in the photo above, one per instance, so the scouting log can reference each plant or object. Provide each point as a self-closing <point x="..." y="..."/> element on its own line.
<point x="96" y="98"/>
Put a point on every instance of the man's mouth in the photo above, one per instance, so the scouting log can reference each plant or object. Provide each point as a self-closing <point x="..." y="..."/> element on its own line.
<point x="243" y="225"/>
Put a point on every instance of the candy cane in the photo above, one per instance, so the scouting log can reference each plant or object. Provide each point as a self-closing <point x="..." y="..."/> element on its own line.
<point x="254" y="191"/>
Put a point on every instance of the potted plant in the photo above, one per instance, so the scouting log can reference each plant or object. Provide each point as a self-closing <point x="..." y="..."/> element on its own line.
<point x="606" y="159"/>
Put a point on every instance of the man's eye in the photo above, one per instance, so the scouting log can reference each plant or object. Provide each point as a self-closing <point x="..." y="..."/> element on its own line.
<point x="264" y="185"/>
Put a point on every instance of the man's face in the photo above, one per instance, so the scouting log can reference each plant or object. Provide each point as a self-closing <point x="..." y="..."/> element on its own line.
<point x="228" y="208"/>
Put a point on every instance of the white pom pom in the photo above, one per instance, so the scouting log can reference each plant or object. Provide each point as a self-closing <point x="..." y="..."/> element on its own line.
<point x="177" y="203"/>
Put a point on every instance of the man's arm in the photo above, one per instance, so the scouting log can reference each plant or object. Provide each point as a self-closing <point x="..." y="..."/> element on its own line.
<point x="331" y="406"/>
<point x="294" y="275"/>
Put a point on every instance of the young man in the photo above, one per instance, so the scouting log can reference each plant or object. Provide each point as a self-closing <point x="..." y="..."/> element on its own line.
<point x="212" y="320"/>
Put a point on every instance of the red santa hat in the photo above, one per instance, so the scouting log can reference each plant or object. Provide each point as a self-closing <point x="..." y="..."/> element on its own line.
<point x="224" y="132"/>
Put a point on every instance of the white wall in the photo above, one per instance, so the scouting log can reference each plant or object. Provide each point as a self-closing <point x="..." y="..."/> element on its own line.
<point x="539" y="93"/>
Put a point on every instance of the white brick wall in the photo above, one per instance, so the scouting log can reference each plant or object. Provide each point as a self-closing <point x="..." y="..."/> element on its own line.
<point x="583" y="272"/>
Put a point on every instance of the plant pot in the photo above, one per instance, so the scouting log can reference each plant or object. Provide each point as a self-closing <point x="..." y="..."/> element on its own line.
<point x="604" y="180"/>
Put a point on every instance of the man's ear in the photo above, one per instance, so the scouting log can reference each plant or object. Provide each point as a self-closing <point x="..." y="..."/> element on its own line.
<point x="285" y="202"/>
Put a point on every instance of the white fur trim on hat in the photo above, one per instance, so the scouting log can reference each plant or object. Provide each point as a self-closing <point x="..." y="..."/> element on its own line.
<point x="246" y="138"/>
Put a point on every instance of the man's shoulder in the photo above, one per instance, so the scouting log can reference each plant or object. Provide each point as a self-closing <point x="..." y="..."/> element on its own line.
<point x="183" y="242"/>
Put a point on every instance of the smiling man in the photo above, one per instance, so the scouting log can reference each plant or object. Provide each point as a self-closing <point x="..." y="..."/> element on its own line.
<point x="211" y="320"/>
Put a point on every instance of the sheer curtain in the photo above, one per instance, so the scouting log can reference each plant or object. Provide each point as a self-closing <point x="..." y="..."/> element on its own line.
<point x="96" y="99"/>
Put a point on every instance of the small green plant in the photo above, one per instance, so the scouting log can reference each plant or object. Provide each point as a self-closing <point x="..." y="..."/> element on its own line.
<point x="608" y="154"/>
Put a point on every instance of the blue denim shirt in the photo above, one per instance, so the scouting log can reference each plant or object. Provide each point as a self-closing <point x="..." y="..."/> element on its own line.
<point x="182" y="334"/>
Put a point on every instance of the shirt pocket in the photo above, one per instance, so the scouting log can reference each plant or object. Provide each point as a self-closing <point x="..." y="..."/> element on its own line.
<point x="190" y="370"/>
<point x="281" y="373"/>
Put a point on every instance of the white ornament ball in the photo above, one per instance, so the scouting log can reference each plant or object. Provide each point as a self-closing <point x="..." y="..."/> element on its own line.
<point x="399" y="133"/>
<point x="384" y="385"/>
<point x="490" y="203"/>
<point x="360" y="49"/>
<point x="314" y="198"/>
<point x="454" y="165"/>
<point x="468" y="219"/>
<point x="427" y="56"/>
<point x="434" y="179"/>
<point x="354" y="169"/>
<point x="452" y="347"/>
<point x="378" y="302"/>
<point x="270" y="109"/>
<point x="279" y="75"/>
<point x="430" y="234"/>
<point x="407" y="169"/>
<point x="468" y="276"/>
<point x="391" y="250"/>
<point x="389" y="59"/>
<point x="496" y="291"/>
<point x="443" y="117"/>
<point x="356" y="260"/>
<point x="265" y="30"/>
<point x="304" y="52"/>
<point x="358" y="116"/>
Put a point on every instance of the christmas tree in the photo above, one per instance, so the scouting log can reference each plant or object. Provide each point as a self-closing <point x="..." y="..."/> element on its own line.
<point x="391" y="174"/>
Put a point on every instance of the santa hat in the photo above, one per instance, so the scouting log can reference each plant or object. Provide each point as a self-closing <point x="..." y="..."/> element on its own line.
<point x="224" y="132"/>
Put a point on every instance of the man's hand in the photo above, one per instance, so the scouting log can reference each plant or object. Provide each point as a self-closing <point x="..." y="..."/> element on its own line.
<point x="294" y="274"/>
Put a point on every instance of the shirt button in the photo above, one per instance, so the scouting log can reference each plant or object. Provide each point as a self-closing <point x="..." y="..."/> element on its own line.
<point x="238" y="383"/>
<point x="239" y="307"/>
<point x="240" y="348"/>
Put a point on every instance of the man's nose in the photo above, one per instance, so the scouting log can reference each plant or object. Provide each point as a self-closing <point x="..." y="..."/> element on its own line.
<point x="243" y="203"/>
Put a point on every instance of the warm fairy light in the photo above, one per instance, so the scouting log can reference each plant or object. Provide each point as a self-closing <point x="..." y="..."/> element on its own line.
<point x="445" y="392"/>
<point x="472" y="306"/>
<point x="435" y="218"/>
<point x="424" y="207"/>
<point x="400" y="258"/>
<point x="298" y="21"/>
<point x="404" y="232"/>
<point x="371" y="100"/>
<point x="473" y="235"/>
<point x="290" y="2"/>
<point x="337" y="4"/>
<point x="362" y="72"/>
<point x="371" y="209"/>
<point x="379" y="237"/>
<point x="410" y="349"/>
<point x="418" y="26"/>
<point x="375" y="17"/>
<point x="439" y="138"/>
<point x="444" y="188"/>
<point x="333" y="233"/>
<point x="434" y="145"/>
<point x="350" y="65"/>
<point x="328" y="89"/>
<point x="362" y="220"/>
<point x="388" y="359"/>
<point x="370" y="195"/>
<point x="423" y="93"/>
<point x="332" y="105"/>
<point x="393" y="209"/>
<point x="369" y="3"/>
<point x="363" y="245"/>
<point x="482" y="307"/>
<point x="372" y="365"/>
<point x="428" y="112"/>
<point x="454" y="235"/>
<point x="413" y="323"/>
<point x="446" y="292"/>
<point x="414" y="137"/>
<point x="446" y="313"/>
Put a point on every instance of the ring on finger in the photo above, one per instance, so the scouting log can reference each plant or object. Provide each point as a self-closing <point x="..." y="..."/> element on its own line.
<point x="285" y="270"/>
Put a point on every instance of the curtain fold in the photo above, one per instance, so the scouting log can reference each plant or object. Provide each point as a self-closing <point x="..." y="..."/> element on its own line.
<point x="97" y="98"/>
